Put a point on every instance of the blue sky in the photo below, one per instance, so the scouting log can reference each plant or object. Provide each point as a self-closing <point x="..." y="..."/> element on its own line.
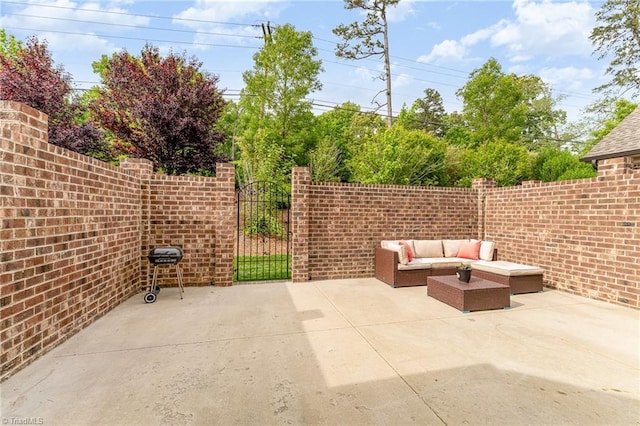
<point x="433" y="44"/>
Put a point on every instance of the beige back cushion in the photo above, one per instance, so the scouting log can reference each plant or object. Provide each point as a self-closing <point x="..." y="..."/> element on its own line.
<point x="486" y="250"/>
<point x="428" y="248"/>
<point x="451" y="247"/>
<point x="402" y="251"/>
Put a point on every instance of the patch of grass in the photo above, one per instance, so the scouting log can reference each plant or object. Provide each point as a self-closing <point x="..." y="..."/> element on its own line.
<point x="259" y="268"/>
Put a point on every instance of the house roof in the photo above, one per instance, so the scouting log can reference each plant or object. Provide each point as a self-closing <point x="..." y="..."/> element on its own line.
<point x="622" y="141"/>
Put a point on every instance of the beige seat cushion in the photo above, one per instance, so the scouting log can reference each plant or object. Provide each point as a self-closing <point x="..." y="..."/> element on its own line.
<point x="448" y="262"/>
<point x="509" y="269"/>
<point x="416" y="263"/>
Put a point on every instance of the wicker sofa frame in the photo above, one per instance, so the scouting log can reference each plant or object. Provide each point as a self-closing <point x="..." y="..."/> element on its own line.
<point x="386" y="270"/>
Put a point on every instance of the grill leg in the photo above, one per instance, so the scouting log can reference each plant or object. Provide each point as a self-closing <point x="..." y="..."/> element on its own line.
<point x="152" y="287"/>
<point x="150" y="296"/>
<point x="180" y="284"/>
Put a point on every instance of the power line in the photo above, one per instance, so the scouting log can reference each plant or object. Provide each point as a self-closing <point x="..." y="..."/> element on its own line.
<point x="461" y="73"/>
<point x="449" y="71"/>
<point x="135" y="26"/>
<point x="194" y="43"/>
<point x="112" y="12"/>
<point x="447" y="74"/>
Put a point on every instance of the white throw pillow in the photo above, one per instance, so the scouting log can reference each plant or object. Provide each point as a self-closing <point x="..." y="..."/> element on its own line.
<point x="402" y="252"/>
<point x="486" y="250"/>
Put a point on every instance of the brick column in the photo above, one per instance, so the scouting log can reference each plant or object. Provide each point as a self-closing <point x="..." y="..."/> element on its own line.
<point x="481" y="185"/>
<point x="143" y="169"/>
<point x="24" y="124"/>
<point x="225" y="224"/>
<point x="614" y="167"/>
<point x="300" y="182"/>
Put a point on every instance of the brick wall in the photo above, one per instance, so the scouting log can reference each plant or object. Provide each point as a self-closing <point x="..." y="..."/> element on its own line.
<point x="69" y="241"/>
<point x="585" y="233"/>
<point x="197" y="214"/>
<point x="182" y="213"/>
<point x="345" y="222"/>
<point x="76" y="232"/>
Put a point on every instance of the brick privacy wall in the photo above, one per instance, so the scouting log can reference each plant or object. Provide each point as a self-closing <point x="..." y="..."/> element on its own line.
<point x="585" y="233"/>
<point x="182" y="213"/>
<point x="76" y="233"/>
<point x="194" y="213"/>
<point x="69" y="241"/>
<point x="347" y="221"/>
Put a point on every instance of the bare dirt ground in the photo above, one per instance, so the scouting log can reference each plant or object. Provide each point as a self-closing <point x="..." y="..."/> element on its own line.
<point x="250" y="245"/>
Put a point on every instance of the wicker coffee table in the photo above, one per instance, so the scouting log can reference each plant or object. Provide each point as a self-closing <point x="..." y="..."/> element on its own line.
<point x="477" y="295"/>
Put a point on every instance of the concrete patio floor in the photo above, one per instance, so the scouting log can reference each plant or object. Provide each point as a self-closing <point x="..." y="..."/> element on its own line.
<point x="348" y="352"/>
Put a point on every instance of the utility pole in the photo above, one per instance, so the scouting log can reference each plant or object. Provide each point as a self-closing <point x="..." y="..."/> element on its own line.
<point x="266" y="32"/>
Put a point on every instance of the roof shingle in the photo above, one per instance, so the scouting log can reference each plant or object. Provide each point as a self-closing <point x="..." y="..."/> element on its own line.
<point x="622" y="141"/>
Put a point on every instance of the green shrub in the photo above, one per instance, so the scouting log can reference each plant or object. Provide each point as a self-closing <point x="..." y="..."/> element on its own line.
<point x="264" y="224"/>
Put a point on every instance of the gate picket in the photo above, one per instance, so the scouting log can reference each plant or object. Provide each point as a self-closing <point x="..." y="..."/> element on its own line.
<point x="262" y="235"/>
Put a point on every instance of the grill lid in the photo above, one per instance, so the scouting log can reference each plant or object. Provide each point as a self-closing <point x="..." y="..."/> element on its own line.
<point x="165" y="255"/>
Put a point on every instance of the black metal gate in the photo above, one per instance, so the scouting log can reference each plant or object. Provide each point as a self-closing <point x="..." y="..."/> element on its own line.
<point x="262" y="238"/>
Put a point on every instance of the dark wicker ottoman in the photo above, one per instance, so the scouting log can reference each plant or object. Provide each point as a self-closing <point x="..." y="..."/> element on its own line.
<point x="477" y="295"/>
<point x="520" y="278"/>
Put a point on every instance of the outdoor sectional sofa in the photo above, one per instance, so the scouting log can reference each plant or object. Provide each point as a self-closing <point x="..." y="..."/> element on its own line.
<point x="403" y="263"/>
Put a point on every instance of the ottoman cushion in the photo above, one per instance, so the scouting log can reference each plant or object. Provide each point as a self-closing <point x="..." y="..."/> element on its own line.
<point x="509" y="269"/>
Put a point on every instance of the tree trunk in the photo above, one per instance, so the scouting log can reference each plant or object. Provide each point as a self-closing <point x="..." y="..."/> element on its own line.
<point x="387" y="68"/>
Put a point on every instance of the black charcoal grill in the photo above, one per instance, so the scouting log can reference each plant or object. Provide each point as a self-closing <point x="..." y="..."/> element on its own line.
<point x="163" y="256"/>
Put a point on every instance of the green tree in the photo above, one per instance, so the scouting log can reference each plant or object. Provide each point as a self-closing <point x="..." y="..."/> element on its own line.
<point x="622" y="108"/>
<point x="334" y="138"/>
<point x="458" y="132"/>
<point x="326" y="161"/>
<point x="505" y="162"/>
<point x="228" y="125"/>
<point x="399" y="156"/>
<point x="9" y="45"/>
<point x="516" y="109"/>
<point x="552" y="164"/>
<point x="618" y="36"/>
<point x="274" y="108"/>
<point x="428" y="113"/>
<point x="369" y="38"/>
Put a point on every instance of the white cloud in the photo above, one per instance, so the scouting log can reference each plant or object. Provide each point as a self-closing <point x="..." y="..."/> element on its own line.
<point x="448" y="50"/>
<point x="546" y="29"/>
<point x="401" y="11"/>
<point x="55" y="20"/>
<point x="567" y="78"/>
<point x="217" y="13"/>
<point x="364" y="74"/>
<point x="452" y="50"/>
<point x="228" y="11"/>
<point x="56" y="15"/>
<point x="481" y="35"/>
<point x="401" y="80"/>
<point x="434" y="25"/>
